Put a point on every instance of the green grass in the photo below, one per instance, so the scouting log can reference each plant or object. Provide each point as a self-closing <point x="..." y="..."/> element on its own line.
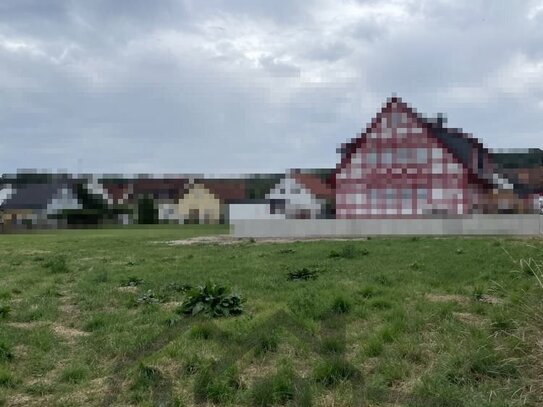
<point x="411" y="318"/>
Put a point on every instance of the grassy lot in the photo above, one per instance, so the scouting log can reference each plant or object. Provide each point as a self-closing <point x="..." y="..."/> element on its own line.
<point x="89" y="318"/>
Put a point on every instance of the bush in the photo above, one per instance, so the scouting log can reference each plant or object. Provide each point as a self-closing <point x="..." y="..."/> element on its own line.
<point x="302" y="274"/>
<point x="212" y="300"/>
<point x="57" y="264"/>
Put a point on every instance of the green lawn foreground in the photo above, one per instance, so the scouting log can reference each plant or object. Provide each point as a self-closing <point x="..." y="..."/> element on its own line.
<point x="89" y="318"/>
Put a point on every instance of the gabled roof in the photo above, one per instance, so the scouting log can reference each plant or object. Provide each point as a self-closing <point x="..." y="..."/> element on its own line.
<point x="225" y="189"/>
<point x="33" y="196"/>
<point x="466" y="149"/>
<point x="5" y="194"/>
<point x="314" y="184"/>
<point x="172" y="187"/>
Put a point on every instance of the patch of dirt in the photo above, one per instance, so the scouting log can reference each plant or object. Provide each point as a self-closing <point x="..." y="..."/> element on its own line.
<point x="489" y="299"/>
<point x="172" y="305"/>
<point x="35" y="251"/>
<point x="259" y="369"/>
<point x="460" y="299"/>
<point x="21" y="351"/>
<point x="468" y="318"/>
<point x="128" y="289"/>
<point x="70" y="334"/>
<point x="91" y="394"/>
<point x="25" y="401"/>
<point x="27" y="325"/>
<point x="69" y="309"/>
<point x="223" y="240"/>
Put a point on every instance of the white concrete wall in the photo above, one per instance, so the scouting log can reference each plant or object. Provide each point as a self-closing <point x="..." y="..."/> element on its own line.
<point x="527" y="225"/>
<point x="251" y="211"/>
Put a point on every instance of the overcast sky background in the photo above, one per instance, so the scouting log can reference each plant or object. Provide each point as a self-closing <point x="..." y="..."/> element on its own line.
<point x="230" y="86"/>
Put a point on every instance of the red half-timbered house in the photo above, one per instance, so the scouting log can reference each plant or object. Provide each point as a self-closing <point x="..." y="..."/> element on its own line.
<point x="405" y="165"/>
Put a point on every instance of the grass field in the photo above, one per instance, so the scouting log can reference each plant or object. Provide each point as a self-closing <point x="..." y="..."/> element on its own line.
<point x="89" y="318"/>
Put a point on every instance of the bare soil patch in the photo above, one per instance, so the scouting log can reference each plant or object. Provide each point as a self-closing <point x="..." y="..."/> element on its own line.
<point x="230" y="240"/>
<point x="489" y="299"/>
<point x="468" y="318"/>
<point x="460" y="299"/>
<point x="128" y="289"/>
<point x="27" y="325"/>
<point x="70" y="334"/>
<point x="172" y="305"/>
<point x="25" y="401"/>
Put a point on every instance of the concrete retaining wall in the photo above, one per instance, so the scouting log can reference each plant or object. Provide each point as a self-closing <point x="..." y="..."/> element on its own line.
<point x="525" y="225"/>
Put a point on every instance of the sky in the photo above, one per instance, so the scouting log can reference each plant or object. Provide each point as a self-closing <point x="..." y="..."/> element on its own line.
<point x="250" y="86"/>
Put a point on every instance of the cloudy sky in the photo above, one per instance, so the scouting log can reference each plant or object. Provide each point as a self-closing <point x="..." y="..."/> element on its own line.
<point x="228" y="86"/>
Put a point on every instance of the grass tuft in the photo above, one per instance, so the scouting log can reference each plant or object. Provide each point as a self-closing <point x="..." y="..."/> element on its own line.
<point x="333" y="371"/>
<point x="6" y="378"/>
<point x="332" y="346"/>
<point x="341" y="305"/>
<point x="6" y="354"/>
<point x="266" y="343"/>
<point x="5" y="310"/>
<point x="74" y="374"/>
<point x="204" y="330"/>
<point x="57" y="264"/>
<point x="275" y="390"/>
<point x="348" y="252"/>
<point x="214" y="387"/>
<point x="148" y="298"/>
<point x="302" y="274"/>
<point x="132" y="281"/>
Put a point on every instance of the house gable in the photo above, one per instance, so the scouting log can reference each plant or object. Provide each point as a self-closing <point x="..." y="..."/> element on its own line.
<point x="299" y="201"/>
<point x="398" y="167"/>
<point x="63" y="199"/>
<point x="198" y="203"/>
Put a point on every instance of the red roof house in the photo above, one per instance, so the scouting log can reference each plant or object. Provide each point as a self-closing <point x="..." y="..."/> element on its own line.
<point x="405" y="165"/>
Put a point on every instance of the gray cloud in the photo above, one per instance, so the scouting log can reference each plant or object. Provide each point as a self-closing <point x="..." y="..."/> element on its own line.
<point x="244" y="85"/>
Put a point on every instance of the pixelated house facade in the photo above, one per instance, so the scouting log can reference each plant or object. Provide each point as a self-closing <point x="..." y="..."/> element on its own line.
<point x="305" y="196"/>
<point x="34" y="204"/>
<point x="405" y="165"/>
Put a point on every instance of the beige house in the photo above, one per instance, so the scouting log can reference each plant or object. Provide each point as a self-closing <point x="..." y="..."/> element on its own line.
<point x="199" y="205"/>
